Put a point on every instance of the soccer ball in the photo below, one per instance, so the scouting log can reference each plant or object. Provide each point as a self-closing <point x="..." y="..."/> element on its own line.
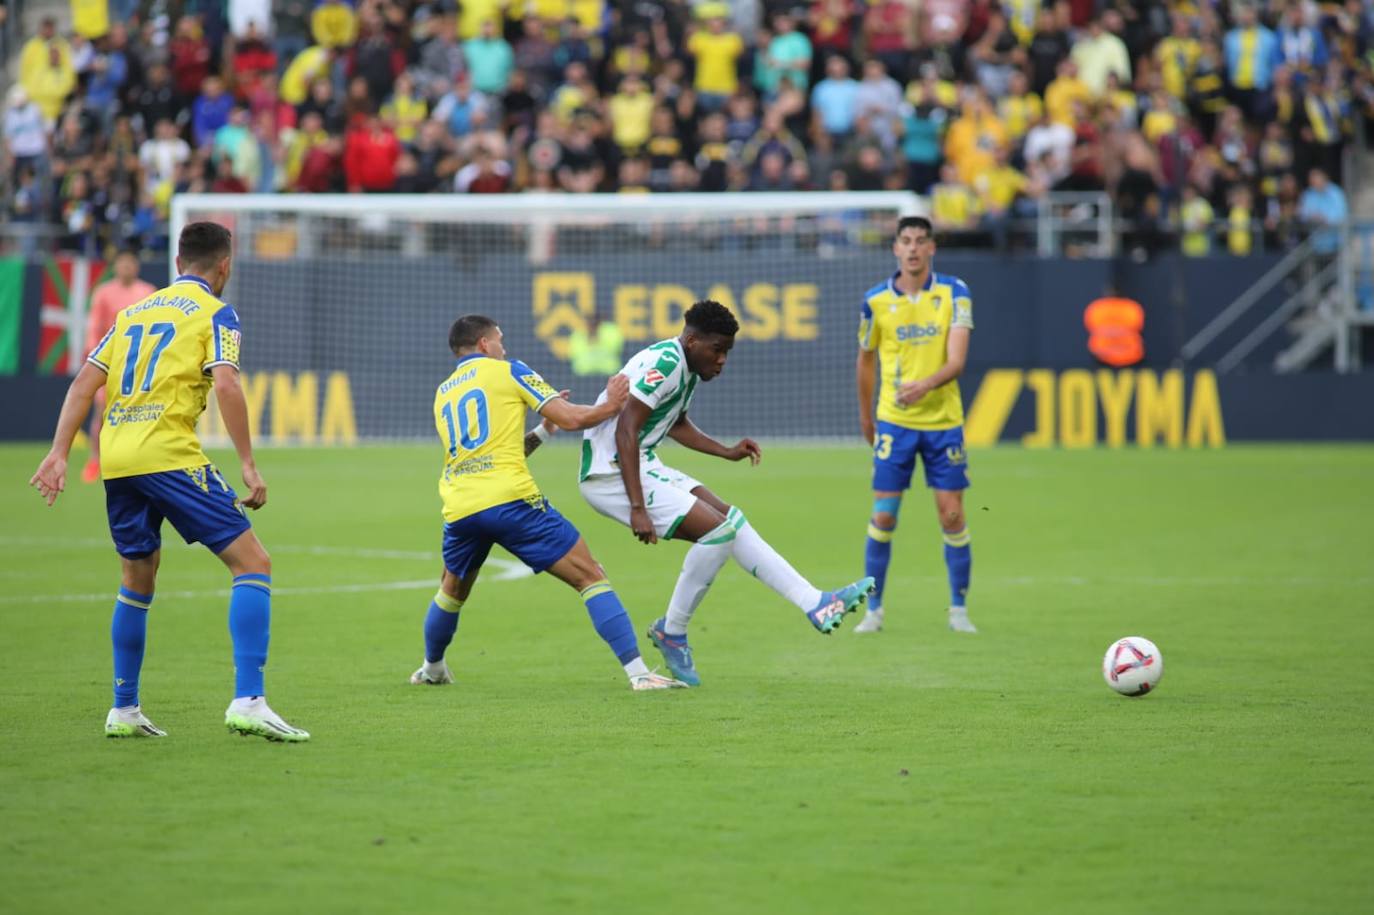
<point x="1133" y="666"/>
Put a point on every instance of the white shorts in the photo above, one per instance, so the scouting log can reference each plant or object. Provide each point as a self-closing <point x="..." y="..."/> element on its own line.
<point x="667" y="496"/>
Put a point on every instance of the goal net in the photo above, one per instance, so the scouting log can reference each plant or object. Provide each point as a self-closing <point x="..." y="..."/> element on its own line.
<point x="346" y="301"/>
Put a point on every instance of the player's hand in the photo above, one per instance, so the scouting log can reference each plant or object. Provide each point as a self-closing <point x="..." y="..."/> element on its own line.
<point x="257" y="489"/>
<point x="867" y="428"/>
<point x="51" y="477"/>
<point x="617" y="391"/>
<point x="549" y="425"/>
<point x="746" y="448"/>
<point x="911" y="392"/>
<point x="642" y="525"/>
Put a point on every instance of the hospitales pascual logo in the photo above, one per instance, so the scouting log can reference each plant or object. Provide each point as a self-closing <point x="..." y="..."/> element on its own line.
<point x="122" y="414"/>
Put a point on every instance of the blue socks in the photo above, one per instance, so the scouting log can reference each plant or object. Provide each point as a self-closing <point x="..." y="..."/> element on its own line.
<point x="959" y="563"/>
<point x="250" y="617"/>
<point x="878" y="547"/>
<point x="877" y="555"/>
<point x="128" y="635"/>
<point x="611" y="621"/>
<point x="440" y="624"/>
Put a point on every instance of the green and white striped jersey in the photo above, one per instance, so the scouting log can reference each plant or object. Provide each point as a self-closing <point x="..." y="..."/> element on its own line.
<point x="659" y="377"/>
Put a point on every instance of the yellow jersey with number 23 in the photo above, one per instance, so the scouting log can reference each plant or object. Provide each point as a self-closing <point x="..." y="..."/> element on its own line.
<point x="911" y="334"/>
<point x="480" y="412"/>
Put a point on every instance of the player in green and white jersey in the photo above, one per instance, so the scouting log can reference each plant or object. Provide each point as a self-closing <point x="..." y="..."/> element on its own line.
<point x="623" y="477"/>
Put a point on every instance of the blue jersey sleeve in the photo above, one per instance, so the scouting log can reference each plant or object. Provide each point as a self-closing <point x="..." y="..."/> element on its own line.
<point x="963" y="305"/>
<point x="868" y="336"/>
<point x="100" y="356"/>
<point x="534" y="390"/>
<point x="225" y="339"/>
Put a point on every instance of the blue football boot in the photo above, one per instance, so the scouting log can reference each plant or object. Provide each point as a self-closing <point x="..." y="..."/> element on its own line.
<point x="676" y="652"/>
<point x="829" y="613"/>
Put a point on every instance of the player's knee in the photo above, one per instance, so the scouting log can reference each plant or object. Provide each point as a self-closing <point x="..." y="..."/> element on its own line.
<point x="886" y="521"/>
<point x="952" y="519"/>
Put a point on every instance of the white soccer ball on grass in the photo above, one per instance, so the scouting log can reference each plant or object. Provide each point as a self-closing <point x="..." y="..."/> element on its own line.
<point x="1133" y="666"/>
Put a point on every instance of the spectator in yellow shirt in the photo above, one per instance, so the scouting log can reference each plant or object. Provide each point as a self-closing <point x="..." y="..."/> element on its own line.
<point x="953" y="205"/>
<point x="631" y="110"/>
<point x="1195" y="216"/>
<point x="1160" y="120"/>
<point x="717" y="54"/>
<point x="405" y="111"/>
<point x="975" y="137"/>
<point x="1240" y="241"/>
<point x="1065" y="89"/>
<point x="334" y="25"/>
<point x="49" y="85"/>
<point x="1019" y="108"/>
<point x="1177" y="56"/>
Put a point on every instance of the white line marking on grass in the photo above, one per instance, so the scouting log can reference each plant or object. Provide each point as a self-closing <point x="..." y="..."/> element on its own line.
<point x="496" y="569"/>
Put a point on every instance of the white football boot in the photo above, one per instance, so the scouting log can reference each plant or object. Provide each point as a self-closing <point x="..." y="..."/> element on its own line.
<point x="253" y="717"/>
<point x="959" y="621"/>
<point x="432" y="675"/>
<point x="130" y="722"/>
<point x="872" y="621"/>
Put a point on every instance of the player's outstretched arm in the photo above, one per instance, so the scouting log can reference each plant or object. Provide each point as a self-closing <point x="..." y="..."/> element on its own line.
<point x="865" y="370"/>
<point x="540" y="433"/>
<point x="688" y="435"/>
<point x="574" y="416"/>
<point x="234" y="410"/>
<point x="51" y="476"/>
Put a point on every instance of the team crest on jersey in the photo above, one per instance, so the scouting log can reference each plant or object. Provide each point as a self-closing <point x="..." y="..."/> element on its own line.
<point x="538" y="385"/>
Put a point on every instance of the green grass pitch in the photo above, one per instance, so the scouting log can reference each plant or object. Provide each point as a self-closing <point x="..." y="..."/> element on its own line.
<point x="917" y="770"/>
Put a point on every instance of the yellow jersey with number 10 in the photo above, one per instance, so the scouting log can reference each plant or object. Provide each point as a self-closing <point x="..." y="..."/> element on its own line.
<point x="479" y="412"/>
<point x="910" y="333"/>
<point x="158" y="356"/>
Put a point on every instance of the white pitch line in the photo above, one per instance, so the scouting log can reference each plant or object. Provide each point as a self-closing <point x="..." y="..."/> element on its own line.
<point x="494" y="569"/>
<point x="311" y="550"/>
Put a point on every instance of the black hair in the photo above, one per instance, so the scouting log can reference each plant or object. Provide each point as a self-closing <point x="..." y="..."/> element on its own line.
<point x="204" y="244"/>
<point x="710" y="317"/>
<point x="467" y="330"/>
<point x="914" y="222"/>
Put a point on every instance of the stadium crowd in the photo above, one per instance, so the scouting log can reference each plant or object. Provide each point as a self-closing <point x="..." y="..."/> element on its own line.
<point x="1213" y="125"/>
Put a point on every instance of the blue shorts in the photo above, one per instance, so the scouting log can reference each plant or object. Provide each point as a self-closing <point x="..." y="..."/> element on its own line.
<point x="537" y="535"/>
<point x="942" y="457"/>
<point x="201" y="506"/>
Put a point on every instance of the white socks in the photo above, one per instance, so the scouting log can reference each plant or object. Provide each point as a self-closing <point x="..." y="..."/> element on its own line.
<point x="699" y="568"/>
<point x="636" y="668"/>
<point x="760" y="560"/>
<point x="734" y="537"/>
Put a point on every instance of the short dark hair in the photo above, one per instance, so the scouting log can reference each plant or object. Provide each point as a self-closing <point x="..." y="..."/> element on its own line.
<point x="710" y="317"/>
<point x="467" y="330"/>
<point x="204" y="244"/>
<point x="914" y="222"/>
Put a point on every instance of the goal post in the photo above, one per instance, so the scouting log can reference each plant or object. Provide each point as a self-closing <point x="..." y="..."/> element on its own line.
<point x="346" y="300"/>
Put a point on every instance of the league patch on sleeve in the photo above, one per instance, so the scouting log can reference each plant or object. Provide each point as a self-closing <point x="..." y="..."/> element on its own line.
<point x="651" y="381"/>
<point x="538" y="385"/>
<point x="230" y="338"/>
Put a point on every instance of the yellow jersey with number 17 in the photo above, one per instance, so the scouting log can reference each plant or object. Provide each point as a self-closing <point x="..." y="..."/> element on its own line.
<point x="910" y="334"/>
<point x="480" y="412"/>
<point x="158" y="357"/>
